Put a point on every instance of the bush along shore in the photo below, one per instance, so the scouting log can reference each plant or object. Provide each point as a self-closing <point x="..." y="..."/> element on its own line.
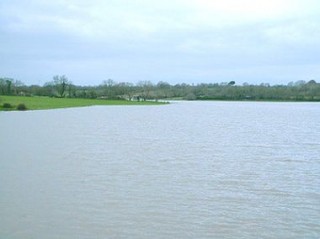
<point x="9" y="106"/>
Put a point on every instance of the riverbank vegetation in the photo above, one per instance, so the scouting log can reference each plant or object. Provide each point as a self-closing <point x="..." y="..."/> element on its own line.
<point x="9" y="103"/>
<point x="61" y="87"/>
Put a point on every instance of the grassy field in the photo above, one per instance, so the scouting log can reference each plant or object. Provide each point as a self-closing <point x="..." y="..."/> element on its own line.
<point x="41" y="103"/>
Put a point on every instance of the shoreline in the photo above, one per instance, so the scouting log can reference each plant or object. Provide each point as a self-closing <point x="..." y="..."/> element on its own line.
<point x="47" y="103"/>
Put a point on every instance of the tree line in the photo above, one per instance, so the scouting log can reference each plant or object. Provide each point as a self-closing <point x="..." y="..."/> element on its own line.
<point x="61" y="86"/>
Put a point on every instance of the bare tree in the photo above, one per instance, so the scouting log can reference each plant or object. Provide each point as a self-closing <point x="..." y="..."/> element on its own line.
<point x="61" y="83"/>
<point x="146" y="87"/>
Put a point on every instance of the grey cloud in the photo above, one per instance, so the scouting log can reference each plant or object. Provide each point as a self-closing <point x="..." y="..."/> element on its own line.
<point x="90" y="45"/>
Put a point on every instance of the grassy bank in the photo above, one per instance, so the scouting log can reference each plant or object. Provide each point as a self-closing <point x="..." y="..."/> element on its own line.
<point x="41" y="103"/>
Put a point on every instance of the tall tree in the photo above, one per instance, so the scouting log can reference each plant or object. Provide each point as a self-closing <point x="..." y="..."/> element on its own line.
<point x="61" y="84"/>
<point x="6" y="85"/>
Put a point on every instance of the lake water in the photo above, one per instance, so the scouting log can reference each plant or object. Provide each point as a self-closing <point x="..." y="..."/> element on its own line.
<point x="184" y="170"/>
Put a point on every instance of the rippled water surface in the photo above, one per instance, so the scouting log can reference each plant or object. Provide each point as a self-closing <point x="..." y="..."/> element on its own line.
<point x="184" y="170"/>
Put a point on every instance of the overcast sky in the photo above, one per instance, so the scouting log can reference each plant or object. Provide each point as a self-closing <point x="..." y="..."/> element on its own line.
<point x="191" y="41"/>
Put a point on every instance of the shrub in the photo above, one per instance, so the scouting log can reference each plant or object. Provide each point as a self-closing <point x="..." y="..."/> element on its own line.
<point x="21" y="107"/>
<point x="6" y="106"/>
<point x="191" y="96"/>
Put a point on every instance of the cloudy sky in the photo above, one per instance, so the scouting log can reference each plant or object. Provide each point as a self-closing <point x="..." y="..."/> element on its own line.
<point x="191" y="41"/>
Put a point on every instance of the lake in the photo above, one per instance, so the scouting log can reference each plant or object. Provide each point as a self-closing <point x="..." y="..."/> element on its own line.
<point x="184" y="170"/>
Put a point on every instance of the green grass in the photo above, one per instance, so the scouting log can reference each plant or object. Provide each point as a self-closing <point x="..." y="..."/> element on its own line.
<point x="41" y="103"/>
